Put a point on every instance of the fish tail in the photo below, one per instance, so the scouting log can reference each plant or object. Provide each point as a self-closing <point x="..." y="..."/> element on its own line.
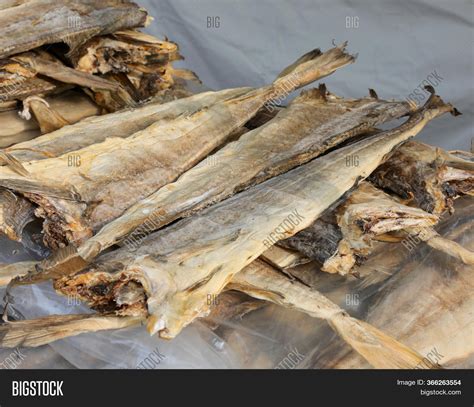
<point x="435" y="102"/>
<point x="379" y="349"/>
<point x="451" y="160"/>
<point x="312" y="66"/>
<point x="309" y="56"/>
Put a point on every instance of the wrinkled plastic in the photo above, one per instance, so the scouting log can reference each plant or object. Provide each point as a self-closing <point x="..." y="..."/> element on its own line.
<point x="271" y="337"/>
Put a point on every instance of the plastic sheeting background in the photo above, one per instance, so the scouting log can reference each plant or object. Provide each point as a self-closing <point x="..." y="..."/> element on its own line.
<point x="399" y="44"/>
<point x="266" y="337"/>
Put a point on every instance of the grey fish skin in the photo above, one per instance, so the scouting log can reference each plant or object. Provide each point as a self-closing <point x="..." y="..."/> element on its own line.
<point x="115" y="174"/>
<point x="39" y="22"/>
<point x="427" y="176"/>
<point x="317" y="242"/>
<point x="120" y="124"/>
<point x="180" y="265"/>
<point x="312" y="124"/>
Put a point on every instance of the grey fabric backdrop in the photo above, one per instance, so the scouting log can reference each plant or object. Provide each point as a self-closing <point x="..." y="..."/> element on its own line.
<point x="399" y="44"/>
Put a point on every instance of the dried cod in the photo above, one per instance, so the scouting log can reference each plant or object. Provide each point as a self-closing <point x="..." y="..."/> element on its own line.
<point x="367" y="215"/>
<point x="428" y="306"/>
<point x="315" y="122"/>
<point x="116" y="173"/>
<point x="35" y="23"/>
<point x="180" y="265"/>
<point x="88" y="45"/>
<point x="50" y="113"/>
<point x="378" y="349"/>
<point x="118" y="125"/>
<point x="258" y="279"/>
<point x="433" y="178"/>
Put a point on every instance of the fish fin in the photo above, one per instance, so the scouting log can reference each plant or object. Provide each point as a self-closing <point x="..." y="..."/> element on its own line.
<point x="378" y="348"/>
<point x="186" y="74"/>
<point x="305" y="58"/>
<point x="34" y="150"/>
<point x="435" y="101"/>
<point x="65" y="261"/>
<point x="14" y="164"/>
<point x="373" y="94"/>
<point x="320" y="93"/>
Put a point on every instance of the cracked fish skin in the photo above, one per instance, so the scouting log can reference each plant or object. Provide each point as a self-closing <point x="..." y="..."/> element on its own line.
<point x="119" y="172"/>
<point x="180" y="265"/>
<point x="313" y="123"/>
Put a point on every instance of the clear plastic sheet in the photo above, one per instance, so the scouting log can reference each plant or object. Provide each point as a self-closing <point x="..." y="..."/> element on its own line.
<point x="271" y="337"/>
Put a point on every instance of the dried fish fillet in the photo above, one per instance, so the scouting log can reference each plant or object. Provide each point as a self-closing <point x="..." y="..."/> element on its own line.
<point x="428" y="306"/>
<point x="120" y="125"/>
<point x="381" y="351"/>
<point x="32" y="333"/>
<point x="433" y="178"/>
<point x="261" y="281"/>
<point x="39" y="62"/>
<point x="258" y="279"/>
<point x="38" y="22"/>
<point x="115" y="174"/>
<point x="315" y="122"/>
<point x="367" y="215"/>
<point x="137" y="59"/>
<point x="179" y="266"/>
<point x="370" y="214"/>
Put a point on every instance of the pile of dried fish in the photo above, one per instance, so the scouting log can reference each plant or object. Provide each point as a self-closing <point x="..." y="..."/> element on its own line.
<point x="150" y="210"/>
<point x="61" y="64"/>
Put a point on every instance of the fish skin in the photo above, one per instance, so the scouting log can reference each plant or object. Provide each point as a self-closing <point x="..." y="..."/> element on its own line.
<point x="15" y="213"/>
<point x="180" y="265"/>
<point x="116" y="173"/>
<point x="368" y="213"/>
<point x="314" y="122"/>
<point x="38" y="22"/>
<point x="33" y="333"/>
<point x="120" y="124"/>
